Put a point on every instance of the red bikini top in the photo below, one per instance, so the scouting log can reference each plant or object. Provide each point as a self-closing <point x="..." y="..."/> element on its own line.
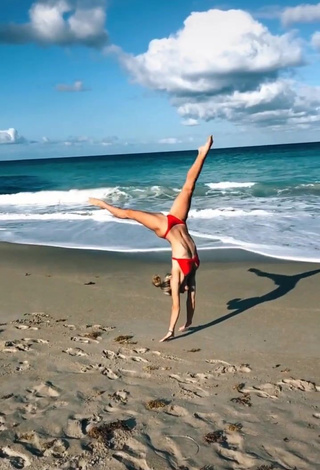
<point x="172" y="221"/>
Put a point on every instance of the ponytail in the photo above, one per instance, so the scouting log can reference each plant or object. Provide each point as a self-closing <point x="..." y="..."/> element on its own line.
<point x="164" y="285"/>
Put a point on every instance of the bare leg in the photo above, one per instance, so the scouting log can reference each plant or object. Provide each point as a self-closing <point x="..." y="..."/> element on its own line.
<point x="151" y="220"/>
<point x="191" y="305"/>
<point x="181" y="205"/>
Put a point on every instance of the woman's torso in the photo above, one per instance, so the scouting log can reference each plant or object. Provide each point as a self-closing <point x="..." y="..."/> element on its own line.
<point x="181" y="242"/>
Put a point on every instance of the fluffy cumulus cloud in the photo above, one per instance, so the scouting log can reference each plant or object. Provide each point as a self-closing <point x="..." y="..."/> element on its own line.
<point x="227" y="65"/>
<point x="305" y="13"/>
<point x="11" y="136"/>
<point x="315" y="40"/>
<point x="216" y="51"/>
<point x="60" y="22"/>
<point x="276" y="105"/>
<point x="77" y="86"/>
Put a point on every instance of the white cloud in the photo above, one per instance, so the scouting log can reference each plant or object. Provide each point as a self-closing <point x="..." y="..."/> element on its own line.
<point x="190" y="122"/>
<point x="315" y="40"/>
<point x="277" y="104"/>
<point x="169" y="141"/>
<point x="304" y="13"/>
<point x="60" y="22"/>
<point x="77" y="140"/>
<point x="216" y="51"/>
<point x="11" y="136"/>
<point x="227" y="65"/>
<point x="82" y="140"/>
<point x="77" y="86"/>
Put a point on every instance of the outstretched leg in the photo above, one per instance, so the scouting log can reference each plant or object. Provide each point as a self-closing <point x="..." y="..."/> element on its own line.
<point x="151" y="220"/>
<point x="181" y="205"/>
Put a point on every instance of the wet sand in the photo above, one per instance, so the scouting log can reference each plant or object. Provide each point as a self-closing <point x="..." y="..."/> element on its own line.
<point x="239" y="390"/>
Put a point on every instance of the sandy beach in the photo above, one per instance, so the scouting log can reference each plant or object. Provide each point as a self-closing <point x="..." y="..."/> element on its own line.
<point x="86" y="384"/>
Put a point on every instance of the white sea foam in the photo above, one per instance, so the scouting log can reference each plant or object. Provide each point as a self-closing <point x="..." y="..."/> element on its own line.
<point x="104" y="216"/>
<point x="227" y="212"/>
<point x="223" y="185"/>
<point x="54" y="198"/>
<point x="95" y="215"/>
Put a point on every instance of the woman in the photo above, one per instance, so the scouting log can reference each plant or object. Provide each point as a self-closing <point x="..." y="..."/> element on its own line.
<point x="185" y="260"/>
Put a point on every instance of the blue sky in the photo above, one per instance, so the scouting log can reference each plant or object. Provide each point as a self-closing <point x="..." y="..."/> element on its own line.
<point x="82" y="77"/>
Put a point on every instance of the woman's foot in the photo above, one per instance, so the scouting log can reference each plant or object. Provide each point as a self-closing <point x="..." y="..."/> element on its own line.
<point x="169" y="335"/>
<point x="95" y="202"/>
<point x="185" y="327"/>
<point x="204" y="149"/>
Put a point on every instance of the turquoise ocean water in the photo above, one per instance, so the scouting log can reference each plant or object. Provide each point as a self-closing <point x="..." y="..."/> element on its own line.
<point x="262" y="199"/>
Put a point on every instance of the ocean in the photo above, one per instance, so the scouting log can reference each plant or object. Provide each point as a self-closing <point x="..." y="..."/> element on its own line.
<point x="264" y="200"/>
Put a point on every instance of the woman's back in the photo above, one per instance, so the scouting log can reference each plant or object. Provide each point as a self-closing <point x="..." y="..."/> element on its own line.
<point x="181" y="242"/>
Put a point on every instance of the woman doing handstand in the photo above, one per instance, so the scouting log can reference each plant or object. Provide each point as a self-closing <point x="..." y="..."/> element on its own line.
<point x="173" y="228"/>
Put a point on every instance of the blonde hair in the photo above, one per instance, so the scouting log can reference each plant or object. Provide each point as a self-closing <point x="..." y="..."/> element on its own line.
<point x="164" y="285"/>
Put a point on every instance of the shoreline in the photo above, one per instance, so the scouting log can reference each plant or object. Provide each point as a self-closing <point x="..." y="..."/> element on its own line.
<point x="219" y="255"/>
<point x="248" y="368"/>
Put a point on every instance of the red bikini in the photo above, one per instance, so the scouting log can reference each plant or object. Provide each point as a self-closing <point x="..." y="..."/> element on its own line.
<point x="186" y="264"/>
<point x="172" y="221"/>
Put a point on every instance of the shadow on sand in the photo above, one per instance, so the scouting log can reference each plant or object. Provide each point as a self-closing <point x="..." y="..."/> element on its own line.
<point x="285" y="284"/>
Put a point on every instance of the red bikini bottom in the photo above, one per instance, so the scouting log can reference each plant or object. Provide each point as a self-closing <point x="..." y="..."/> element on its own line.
<point x="187" y="264"/>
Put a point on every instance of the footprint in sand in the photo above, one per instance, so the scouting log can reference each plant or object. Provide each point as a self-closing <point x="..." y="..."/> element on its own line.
<point x="100" y="327"/>
<point x="178" y="411"/>
<point x="141" y="350"/>
<point x="84" y="339"/>
<point x="238" y="456"/>
<point x="74" y="429"/>
<point x="300" y="384"/>
<point x="35" y="340"/>
<point x="26" y="327"/>
<point x="113" y="355"/>
<point x="110" y="354"/>
<point x="14" y="346"/>
<point x="56" y="448"/>
<point x="137" y="359"/>
<point x="110" y="374"/>
<point x="183" y="380"/>
<point x="71" y="327"/>
<point x="75" y="352"/>
<point x="120" y="396"/>
<point x="34" y="319"/>
<point x="102" y="369"/>
<point x="44" y="390"/>
<point x="223" y="367"/>
<point x="17" y="459"/>
<point x="267" y="390"/>
<point x="134" y="374"/>
<point x="193" y="391"/>
<point x="133" y="457"/>
<point x="228" y="441"/>
<point x="3" y="426"/>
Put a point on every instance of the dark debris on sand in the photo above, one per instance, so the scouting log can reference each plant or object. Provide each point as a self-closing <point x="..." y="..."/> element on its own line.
<point x="156" y="404"/>
<point x="108" y="433"/>
<point x="216" y="437"/>
<point x="124" y="339"/>
<point x="245" y="400"/>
